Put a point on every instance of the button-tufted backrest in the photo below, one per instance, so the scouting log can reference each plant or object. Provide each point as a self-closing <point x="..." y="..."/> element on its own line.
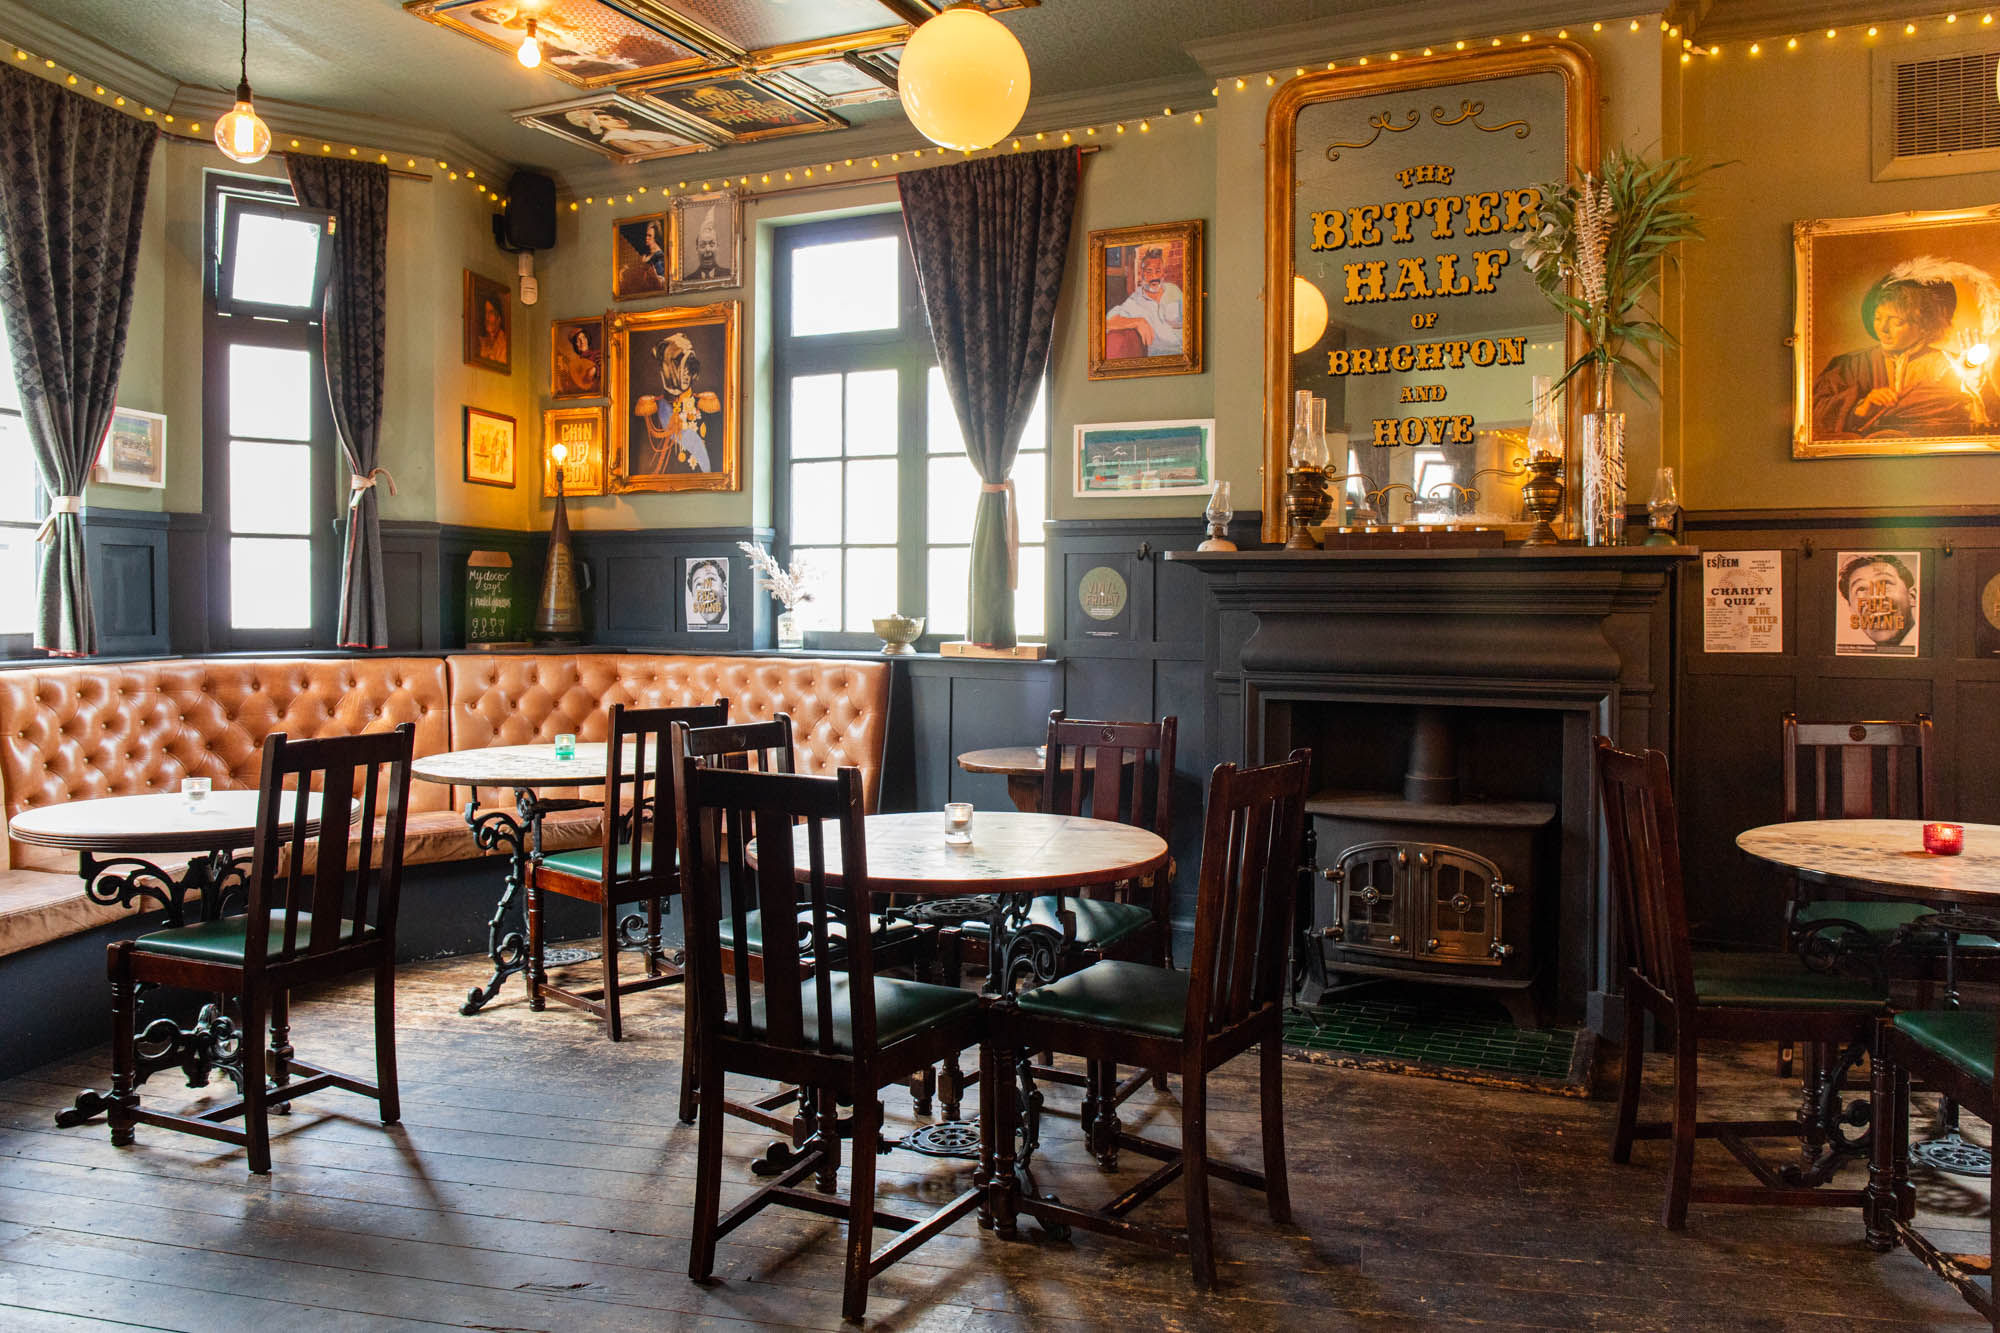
<point x="839" y="710"/>
<point x="72" y="732"/>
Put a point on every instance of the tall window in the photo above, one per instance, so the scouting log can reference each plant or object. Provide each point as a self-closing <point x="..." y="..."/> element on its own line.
<point x="875" y="496"/>
<point x="269" y="449"/>
<point x="20" y="512"/>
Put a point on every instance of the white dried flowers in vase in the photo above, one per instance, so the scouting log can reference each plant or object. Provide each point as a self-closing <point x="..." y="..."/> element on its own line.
<point x="788" y="586"/>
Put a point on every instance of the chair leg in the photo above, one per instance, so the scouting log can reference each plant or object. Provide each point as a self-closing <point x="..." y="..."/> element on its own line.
<point x="1879" y="1210"/>
<point x="690" y="1071"/>
<point x="607" y="921"/>
<point x="256" y="1122"/>
<point x="124" y="1055"/>
<point x="281" y="1049"/>
<point x="861" y="1204"/>
<point x="1271" y="1089"/>
<point x="387" y="1092"/>
<point x="951" y="1088"/>
<point x="1194" y="1174"/>
<point x="1680" y="1174"/>
<point x="998" y="1122"/>
<point x="655" y="959"/>
<point x="923" y="1085"/>
<point x="826" y="1128"/>
<point x="707" y="1185"/>
<point x="537" y="977"/>
<point x="1634" y="1052"/>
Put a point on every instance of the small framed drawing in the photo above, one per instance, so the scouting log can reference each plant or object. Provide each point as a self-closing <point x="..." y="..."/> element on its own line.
<point x="489" y="448"/>
<point x="641" y="248"/>
<point x="705" y="594"/>
<point x="580" y="432"/>
<point x="489" y="324"/>
<point x="1144" y="458"/>
<point x="708" y="241"/>
<point x="576" y="358"/>
<point x="134" y="451"/>
<point x="1146" y="301"/>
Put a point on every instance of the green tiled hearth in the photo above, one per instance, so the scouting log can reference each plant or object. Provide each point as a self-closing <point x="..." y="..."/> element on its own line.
<point x="1431" y="1031"/>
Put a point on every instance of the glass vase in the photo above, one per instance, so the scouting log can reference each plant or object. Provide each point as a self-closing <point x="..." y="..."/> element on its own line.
<point x="1603" y="478"/>
<point x="790" y="635"/>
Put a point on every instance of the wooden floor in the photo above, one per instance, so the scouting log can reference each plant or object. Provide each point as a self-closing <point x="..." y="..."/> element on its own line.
<point x="540" y="1180"/>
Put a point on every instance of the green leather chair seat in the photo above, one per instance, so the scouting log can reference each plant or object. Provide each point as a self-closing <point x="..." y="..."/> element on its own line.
<point x="1962" y="1036"/>
<point x="1099" y="921"/>
<point x="1777" y="981"/>
<point x="588" y="862"/>
<point x="222" y="941"/>
<point x="901" y="1008"/>
<point x="1878" y="917"/>
<point x="753" y="926"/>
<point x="1134" y="996"/>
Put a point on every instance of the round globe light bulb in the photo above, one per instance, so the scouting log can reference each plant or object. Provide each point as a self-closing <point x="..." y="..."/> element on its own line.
<point x="1309" y="315"/>
<point x="241" y="133"/>
<point x="559" y="452"/>
<point x="963" y="79"/>
<point x="1976" y="354"/>
<point x="530" y="53"/>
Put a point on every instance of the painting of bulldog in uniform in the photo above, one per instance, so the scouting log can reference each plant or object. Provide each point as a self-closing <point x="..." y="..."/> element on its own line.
<point x="677" y="378"/>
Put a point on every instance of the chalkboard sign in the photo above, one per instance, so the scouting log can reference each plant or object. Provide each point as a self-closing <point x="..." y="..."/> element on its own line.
<point x="495" y="610"/>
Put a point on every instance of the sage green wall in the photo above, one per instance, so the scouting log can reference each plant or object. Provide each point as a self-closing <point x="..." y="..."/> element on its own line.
<point x="1797" y="127"/>
<point x="576" y="282"/>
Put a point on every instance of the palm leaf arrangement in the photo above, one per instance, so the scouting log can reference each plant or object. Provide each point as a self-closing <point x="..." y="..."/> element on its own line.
<point x="1608" y="233"/>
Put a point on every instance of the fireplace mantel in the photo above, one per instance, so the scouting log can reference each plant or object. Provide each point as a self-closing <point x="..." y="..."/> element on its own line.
<point x="1579" y="634"/>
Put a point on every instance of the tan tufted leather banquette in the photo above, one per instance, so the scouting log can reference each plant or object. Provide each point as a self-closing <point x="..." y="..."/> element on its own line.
<point x="839" y="710"/>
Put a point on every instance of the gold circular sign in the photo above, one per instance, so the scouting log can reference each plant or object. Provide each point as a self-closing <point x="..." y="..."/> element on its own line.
<point x="1101" y="591"/>
<point x="1989" y="601"/>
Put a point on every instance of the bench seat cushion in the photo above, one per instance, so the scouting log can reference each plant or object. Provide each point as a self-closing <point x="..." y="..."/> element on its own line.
<point x="37" y="906"/>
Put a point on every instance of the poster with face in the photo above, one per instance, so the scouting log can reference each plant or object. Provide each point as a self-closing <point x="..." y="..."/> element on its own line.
<point x="707" y="237"/>
<point x="705" y="594"/>
<point x="1877" y="614"/>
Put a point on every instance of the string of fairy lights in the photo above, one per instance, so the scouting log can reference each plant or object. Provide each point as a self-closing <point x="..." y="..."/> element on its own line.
<point x="848" y="170"/>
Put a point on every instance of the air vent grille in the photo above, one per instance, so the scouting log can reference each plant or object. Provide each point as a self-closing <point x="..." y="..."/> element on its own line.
<point x="1948" y="105"/>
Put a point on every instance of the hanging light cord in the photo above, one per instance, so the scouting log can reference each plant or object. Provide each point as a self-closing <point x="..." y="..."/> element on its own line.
<point x="245" y="68"/>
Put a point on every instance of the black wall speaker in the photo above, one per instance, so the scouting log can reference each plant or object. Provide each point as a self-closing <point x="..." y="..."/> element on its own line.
<point x="528" y="222"/>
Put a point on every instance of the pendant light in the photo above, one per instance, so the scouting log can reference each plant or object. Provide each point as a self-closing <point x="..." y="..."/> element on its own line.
<point x="530" y="53"/>
<point x="241" y="134"/>
<point x="963" y="79"/>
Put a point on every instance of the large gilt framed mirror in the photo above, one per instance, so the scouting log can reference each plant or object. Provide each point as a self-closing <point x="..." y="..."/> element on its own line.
<point x="1393" y="193"/>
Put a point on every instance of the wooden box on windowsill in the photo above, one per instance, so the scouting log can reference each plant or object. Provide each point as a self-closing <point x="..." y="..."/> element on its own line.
<point x="1020" y="652"/>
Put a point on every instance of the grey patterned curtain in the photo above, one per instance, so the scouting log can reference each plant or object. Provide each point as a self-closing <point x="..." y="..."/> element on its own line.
<point x="72" y="192"/>
<point x="990" y="238"/>
<point x="357" y="194"/>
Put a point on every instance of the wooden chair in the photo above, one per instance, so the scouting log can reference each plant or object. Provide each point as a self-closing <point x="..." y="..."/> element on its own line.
<point x="1229" y="1000"/>
<point x="1729" y="997"/>
<point x="634" y="862"/>
<point x="1956" y="1052"/>
<point x="814" y="1014"/>
<point x="312" y="926"/>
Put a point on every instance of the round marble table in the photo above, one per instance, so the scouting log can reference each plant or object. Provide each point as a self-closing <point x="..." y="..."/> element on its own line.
<point x="1022" y="766"/>
<point x="1885" y="858"/>
<point x="108" y="833"/>
<point x="524" y="768"/>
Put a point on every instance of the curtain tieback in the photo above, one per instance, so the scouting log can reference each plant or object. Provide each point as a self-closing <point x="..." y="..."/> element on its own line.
<point x="1006" y="488"/>
<point x="360" y="483"/>
<point x="61" y="504"/>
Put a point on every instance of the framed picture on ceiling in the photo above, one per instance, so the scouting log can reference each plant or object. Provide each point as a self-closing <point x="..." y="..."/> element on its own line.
<point x="576" y="358"/>
<point x="852" y="79"/>
<point x="641" y="250"/>
<point x="489" y="324"/>
<point x="1146" y="300"/>
<point x="134" y="451"/>
<point x="1897" y="327"/>
<point x="1125" y="458"/>
<point x="740" y="109"/>
<point x="708" y="241"/>
<point x="589" y="43"/>
<point x="489" y="448"/>
<point x="677" y="392"/>
<point x="580" y="432"/>
<point x="615" y="126"/>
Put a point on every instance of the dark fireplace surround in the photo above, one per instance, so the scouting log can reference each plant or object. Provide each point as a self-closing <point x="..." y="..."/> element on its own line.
<point x="1521" y="656"/>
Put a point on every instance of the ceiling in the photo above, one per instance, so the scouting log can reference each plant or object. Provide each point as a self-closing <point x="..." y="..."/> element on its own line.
<point x="369" y="57"/>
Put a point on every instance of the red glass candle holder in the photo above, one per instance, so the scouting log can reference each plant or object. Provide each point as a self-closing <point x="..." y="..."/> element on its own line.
<point x="1944" y="839"/>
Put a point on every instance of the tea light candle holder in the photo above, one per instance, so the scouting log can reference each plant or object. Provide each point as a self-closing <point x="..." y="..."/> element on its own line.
<point x="1944" y="839"/>
<point x="565" y="746"/>
<point x="194" y="791"/>
<point x="958" y="823"/>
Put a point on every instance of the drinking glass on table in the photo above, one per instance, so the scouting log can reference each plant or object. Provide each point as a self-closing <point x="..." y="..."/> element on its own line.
<point x="194" y="791"/>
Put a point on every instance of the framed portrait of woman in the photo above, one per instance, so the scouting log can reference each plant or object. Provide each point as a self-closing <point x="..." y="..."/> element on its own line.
<point x="676" y="398"/>
<point x="642" y="250"/>
<point x="576" y="358"/>
<point x="489" y="324"/>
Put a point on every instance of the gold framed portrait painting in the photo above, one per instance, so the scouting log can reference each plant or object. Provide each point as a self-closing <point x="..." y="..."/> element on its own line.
<point x="576" y="357"/>
<point x="677" y="398"/>
<point x="641" y="249"/>
<point x="1896" y="333"/>
<point x="1146" y="300"/>
<point x="489" y="324"/>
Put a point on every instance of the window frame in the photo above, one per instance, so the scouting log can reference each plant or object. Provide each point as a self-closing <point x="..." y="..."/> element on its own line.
<point x="907" y="348"/>
<point x="266" y="327"/>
